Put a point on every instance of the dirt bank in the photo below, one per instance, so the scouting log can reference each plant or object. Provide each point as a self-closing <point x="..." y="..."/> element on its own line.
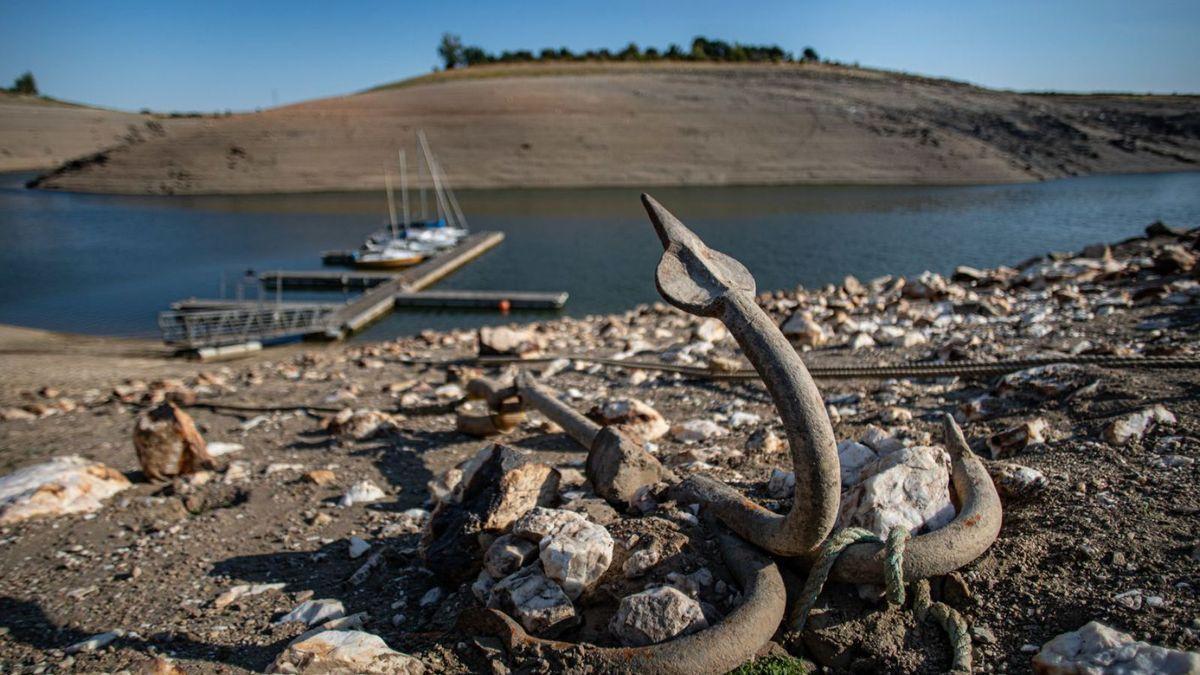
<point x="37" y="133"/>
<point x="545" y="126"/>
<point x="1109" y="533"/>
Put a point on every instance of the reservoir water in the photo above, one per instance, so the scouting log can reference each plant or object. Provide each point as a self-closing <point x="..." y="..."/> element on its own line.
<point x="107" y="264"/>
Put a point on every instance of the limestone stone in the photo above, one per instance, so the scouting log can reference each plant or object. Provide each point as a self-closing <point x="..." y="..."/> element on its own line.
<point x="359" y="424"/>
<point x="1015" y="439"/>
<point x="697" y="430"/>
<point x="508" y="554"/>
<point x="357" y="547"/>
<point x="576" y="554"/>
<point x="499" y="485"/>
<point x="804" y="331"/>
<point x="633" y="417"/>
<point x="880" y="441"/>
<point x="1135" y="425"/>
<point x="243" y="591"/>
<point x="311" y="612"/>
<point x="781" y="483"/>
<point x="656" y="615"/>
<point x="94" y="642"/>
<point x="1014" y="481"/>
<point x="853" y="457"/>
<point x="764" y="441"/>
<point x="168" y="444"/>
<point x="909" y="488"/>
<point x="536" y="601"/>
<point x="505" y="341"/>
<point x="362" y="492"/>
<point x="345" y="651"/>
<point x="539" y="522"/>
<point x="710" y="330"/>
<point x="61" y="486"/>
<point x="1096" y="648"/>
<point x="618" y="467"/>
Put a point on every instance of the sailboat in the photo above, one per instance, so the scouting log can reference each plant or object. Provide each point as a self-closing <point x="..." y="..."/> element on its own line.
<point x="448" y="226"/>
<point x="394" y="251"/>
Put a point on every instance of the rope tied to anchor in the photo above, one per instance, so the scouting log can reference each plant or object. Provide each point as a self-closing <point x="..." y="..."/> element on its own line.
<point x="949" y="619"/>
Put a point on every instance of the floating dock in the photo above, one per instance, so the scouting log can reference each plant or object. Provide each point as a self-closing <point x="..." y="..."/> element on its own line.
<point x="200" y="324"/>
<point x="482" y="299"/>
<point x="323" y="279"/>
<point x="381" y="298"/>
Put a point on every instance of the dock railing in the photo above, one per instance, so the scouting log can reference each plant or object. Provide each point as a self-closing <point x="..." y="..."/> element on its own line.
<point x="192" y="329"/>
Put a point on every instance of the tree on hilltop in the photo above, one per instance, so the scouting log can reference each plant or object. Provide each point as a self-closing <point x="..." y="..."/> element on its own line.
<point x="25" y="84"/>
<point x="451" y="50"/>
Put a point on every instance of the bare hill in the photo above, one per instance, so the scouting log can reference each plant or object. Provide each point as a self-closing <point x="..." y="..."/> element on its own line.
<point x="38" y="133"/>
<point x="685" y="124"/>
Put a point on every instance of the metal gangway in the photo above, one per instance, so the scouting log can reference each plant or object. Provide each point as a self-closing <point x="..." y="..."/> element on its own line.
<point x="241" y="324"/>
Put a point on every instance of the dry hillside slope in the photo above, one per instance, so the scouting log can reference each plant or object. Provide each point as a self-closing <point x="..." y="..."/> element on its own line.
<point x="37" y="133"/>
<point x="659" y="125"/>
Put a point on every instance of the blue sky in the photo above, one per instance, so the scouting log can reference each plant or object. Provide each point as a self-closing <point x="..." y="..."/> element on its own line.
<point x="216" y="55"/>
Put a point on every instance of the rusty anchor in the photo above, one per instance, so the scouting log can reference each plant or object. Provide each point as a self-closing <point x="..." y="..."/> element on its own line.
<point x="708" y="283"/>
<point x="705" y="282"/>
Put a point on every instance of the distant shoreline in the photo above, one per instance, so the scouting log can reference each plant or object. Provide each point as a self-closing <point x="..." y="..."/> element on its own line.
<point x="617" y="125"/>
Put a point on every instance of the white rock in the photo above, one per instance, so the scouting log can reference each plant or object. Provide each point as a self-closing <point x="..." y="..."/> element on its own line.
<point x="741" y="419"/>
<point x="1124" y="429"/>
<point x="853" y="457"/>
<point x="909" y="488"/>
<point x="312" y="612"/>
<point x="357" y="547"/>
<point x="634" y="417"/>
<point x="641" y="561"/>
<point x="242" y="591"/>
<point x="362" y="492"/>
<point x="58" y="487"/>
<point x="95" y="642"/>
<point x="217" y="448"/>
<point x="1096" y="649"/>
<point x="895" y="415"/>
<point x="1171" y="461"/>
<point x="482" y="588"/>
<point x="282" y="467"/>
<point x="710" y="330"/>
<point x="861" y="341"/>
<point x="697" y="430"/>
<point x="781" y="483"/>
<point x="432" y="596"/>
<point x="576" y="554"/>
<point x="801" y="329"/>
<point x="539" y="522"/>
<point x="237" y="470"/>
<point x="1014" y="481"/>
<point x="535" y="600"/>
<point x="880" y="441"/>
<point x="508" y="554"/>
<point x="656" y="615"/>
<point x="345" y="651"/>
<point x="411" y="521"/>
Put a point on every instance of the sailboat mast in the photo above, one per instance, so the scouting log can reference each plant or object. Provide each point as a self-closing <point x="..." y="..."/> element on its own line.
<point x="443" y="211"/>
<point x="459" y="218"/>
<point x="387" y="183"/>
<point x="421" y="170"/>
<point x="404" y="187"/>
